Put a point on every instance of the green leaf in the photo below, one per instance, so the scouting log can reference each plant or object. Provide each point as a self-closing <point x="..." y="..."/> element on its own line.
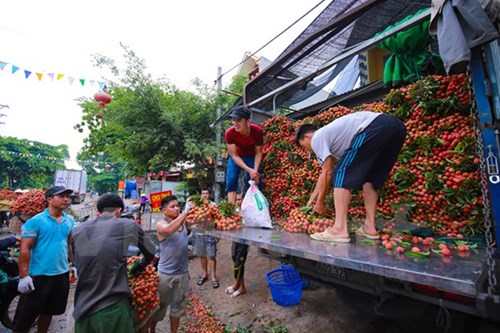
<point x="417" y="254"/>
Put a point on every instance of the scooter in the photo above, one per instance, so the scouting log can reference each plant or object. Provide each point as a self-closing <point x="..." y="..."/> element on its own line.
<point x="8" y="288"/>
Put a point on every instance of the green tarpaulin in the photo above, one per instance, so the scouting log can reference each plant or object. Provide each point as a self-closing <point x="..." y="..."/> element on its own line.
<point x="410" y="54"/>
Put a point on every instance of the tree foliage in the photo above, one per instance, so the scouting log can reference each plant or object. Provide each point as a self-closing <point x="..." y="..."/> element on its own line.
<point x="29" y="164"/>
<point x="102" y="175"/>
<point x="151" y="125"/>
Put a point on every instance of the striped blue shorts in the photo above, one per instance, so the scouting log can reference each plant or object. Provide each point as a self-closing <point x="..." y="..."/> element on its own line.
<point x="371" y="155"/>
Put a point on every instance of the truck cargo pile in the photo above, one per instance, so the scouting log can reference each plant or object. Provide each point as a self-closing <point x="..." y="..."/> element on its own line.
<point x="435" y="183"/>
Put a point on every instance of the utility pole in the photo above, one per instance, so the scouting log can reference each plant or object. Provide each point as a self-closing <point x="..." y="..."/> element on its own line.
<point x="219" y="169"/>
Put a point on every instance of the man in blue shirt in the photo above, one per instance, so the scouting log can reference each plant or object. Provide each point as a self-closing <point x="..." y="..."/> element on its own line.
<point x="44" y="263"/>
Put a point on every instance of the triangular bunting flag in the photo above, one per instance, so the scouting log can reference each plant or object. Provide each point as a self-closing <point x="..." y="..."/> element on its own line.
<point x="14" y="69"/>
<point x="60" y="76"/>
<point x="39" y="76"/>
<point x="51" y="75"/>
<point x="102" y="85"/>
<point x="2" y="65"/>
<point x="82" y="81"/>
<point x="71" y="79"/>
<point x="27" y="73"/>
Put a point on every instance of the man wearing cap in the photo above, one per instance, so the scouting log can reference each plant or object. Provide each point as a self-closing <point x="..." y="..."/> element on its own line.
<point x="44" y="259"/>
<point x="244" y="142"/>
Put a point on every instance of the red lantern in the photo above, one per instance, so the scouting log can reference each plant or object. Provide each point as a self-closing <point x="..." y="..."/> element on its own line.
<point x="102" y="98"/>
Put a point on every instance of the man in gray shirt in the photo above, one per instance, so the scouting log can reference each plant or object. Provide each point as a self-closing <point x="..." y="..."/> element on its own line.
<point x="102" y="295"/>
<point x="356" y="151"/>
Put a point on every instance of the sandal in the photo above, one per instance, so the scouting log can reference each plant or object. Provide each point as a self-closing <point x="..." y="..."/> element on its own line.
<point x="201" y="280"/>
<point x="215" y="284"/>
<point x="237" y="293"/>
<point x="361" y="232"/>
<point x="325" y="236"/>
<point x="229" y="290"/>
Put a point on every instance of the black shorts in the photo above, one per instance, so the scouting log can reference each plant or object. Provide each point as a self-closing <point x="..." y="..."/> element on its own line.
<point x="239" y="253"/>
<point x="371" y="155"/>
<point x="49" y="298"/>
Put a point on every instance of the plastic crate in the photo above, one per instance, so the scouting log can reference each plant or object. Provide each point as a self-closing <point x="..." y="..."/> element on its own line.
<point x="285" y="285"/>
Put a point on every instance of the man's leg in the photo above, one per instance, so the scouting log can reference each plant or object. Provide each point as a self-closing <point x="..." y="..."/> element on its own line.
<point x="203" y="262"/>
<point x="213" y="266"/>
<point x="43" y="323"/>
<point x="231" y="197"/>
<point x="370" y="197"/>
<point x="342" y="199"/>
<point x="174" y="324"/>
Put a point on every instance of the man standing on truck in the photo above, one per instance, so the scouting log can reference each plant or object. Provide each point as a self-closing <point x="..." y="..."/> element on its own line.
<point x="244" y="142"/>
<point x="365" y="146"/>
<point x="43" y="263"/>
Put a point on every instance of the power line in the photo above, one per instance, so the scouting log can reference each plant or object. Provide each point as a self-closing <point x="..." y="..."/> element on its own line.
<point x="269" y="42"/>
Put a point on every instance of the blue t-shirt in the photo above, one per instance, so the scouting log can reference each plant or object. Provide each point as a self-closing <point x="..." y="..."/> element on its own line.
<point x="49" y="256"/>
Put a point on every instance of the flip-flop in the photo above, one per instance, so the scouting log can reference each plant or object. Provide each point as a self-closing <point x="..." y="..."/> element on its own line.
<point x="215" y="284"/>
<point x="237" y="293"/>
<point x="361" y="232"/>
<point x="325" y="236"/>
<point x="229" y="290"/>
<point x="201" y="280"/>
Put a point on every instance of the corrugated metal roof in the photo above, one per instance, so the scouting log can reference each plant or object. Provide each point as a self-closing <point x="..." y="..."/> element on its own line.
<point x="343" y="24"/>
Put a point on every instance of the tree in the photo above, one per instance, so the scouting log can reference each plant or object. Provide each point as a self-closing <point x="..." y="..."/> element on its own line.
<point x="29" y="164"/>
<point x="99" y="177"/>
<point x="150" y="125"/>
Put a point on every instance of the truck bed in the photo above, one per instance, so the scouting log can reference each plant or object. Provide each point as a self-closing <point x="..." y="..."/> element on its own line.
<point x="454" y="274"/>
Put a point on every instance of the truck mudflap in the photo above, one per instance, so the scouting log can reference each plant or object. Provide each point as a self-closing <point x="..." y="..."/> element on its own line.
<point x="461" y="275"/>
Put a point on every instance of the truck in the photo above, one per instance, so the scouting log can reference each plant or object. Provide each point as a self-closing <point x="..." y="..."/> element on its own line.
<point x="371" y="277"/>
<point x="75" y="180"/>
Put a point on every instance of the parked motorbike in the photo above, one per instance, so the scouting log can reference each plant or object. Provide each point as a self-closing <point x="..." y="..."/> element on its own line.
<point x="9" y="295"/>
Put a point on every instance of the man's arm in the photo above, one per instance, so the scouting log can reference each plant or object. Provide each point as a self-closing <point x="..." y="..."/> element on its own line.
<point x="165" y="229"/>
<point x="323" y="185"/>
<point x="8" y="242"/>
<point x="25" y="256"/>
<point x="70" y="249"/>
<point x="236" y="158"/>
<point x="146" y="247"/>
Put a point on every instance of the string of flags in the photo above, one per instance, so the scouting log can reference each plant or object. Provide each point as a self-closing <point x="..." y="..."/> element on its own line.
<point x="51" y="76"/>
<point x="50" y="158"/>
<point x="15" y="153"/>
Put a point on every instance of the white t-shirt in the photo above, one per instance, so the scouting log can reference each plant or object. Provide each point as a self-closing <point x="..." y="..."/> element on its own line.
<point x="336" y="137"/>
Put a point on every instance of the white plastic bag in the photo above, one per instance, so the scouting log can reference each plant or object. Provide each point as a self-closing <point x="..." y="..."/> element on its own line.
<point x="255" y="208"/>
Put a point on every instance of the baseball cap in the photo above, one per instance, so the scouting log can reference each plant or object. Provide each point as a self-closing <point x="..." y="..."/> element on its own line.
<point x="57" y="190"/>
<point x="240" y="112"/>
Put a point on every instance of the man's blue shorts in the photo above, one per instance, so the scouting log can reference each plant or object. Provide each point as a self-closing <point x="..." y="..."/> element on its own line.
<point x="371" y="155"/>
<point x="233" y="173"/>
